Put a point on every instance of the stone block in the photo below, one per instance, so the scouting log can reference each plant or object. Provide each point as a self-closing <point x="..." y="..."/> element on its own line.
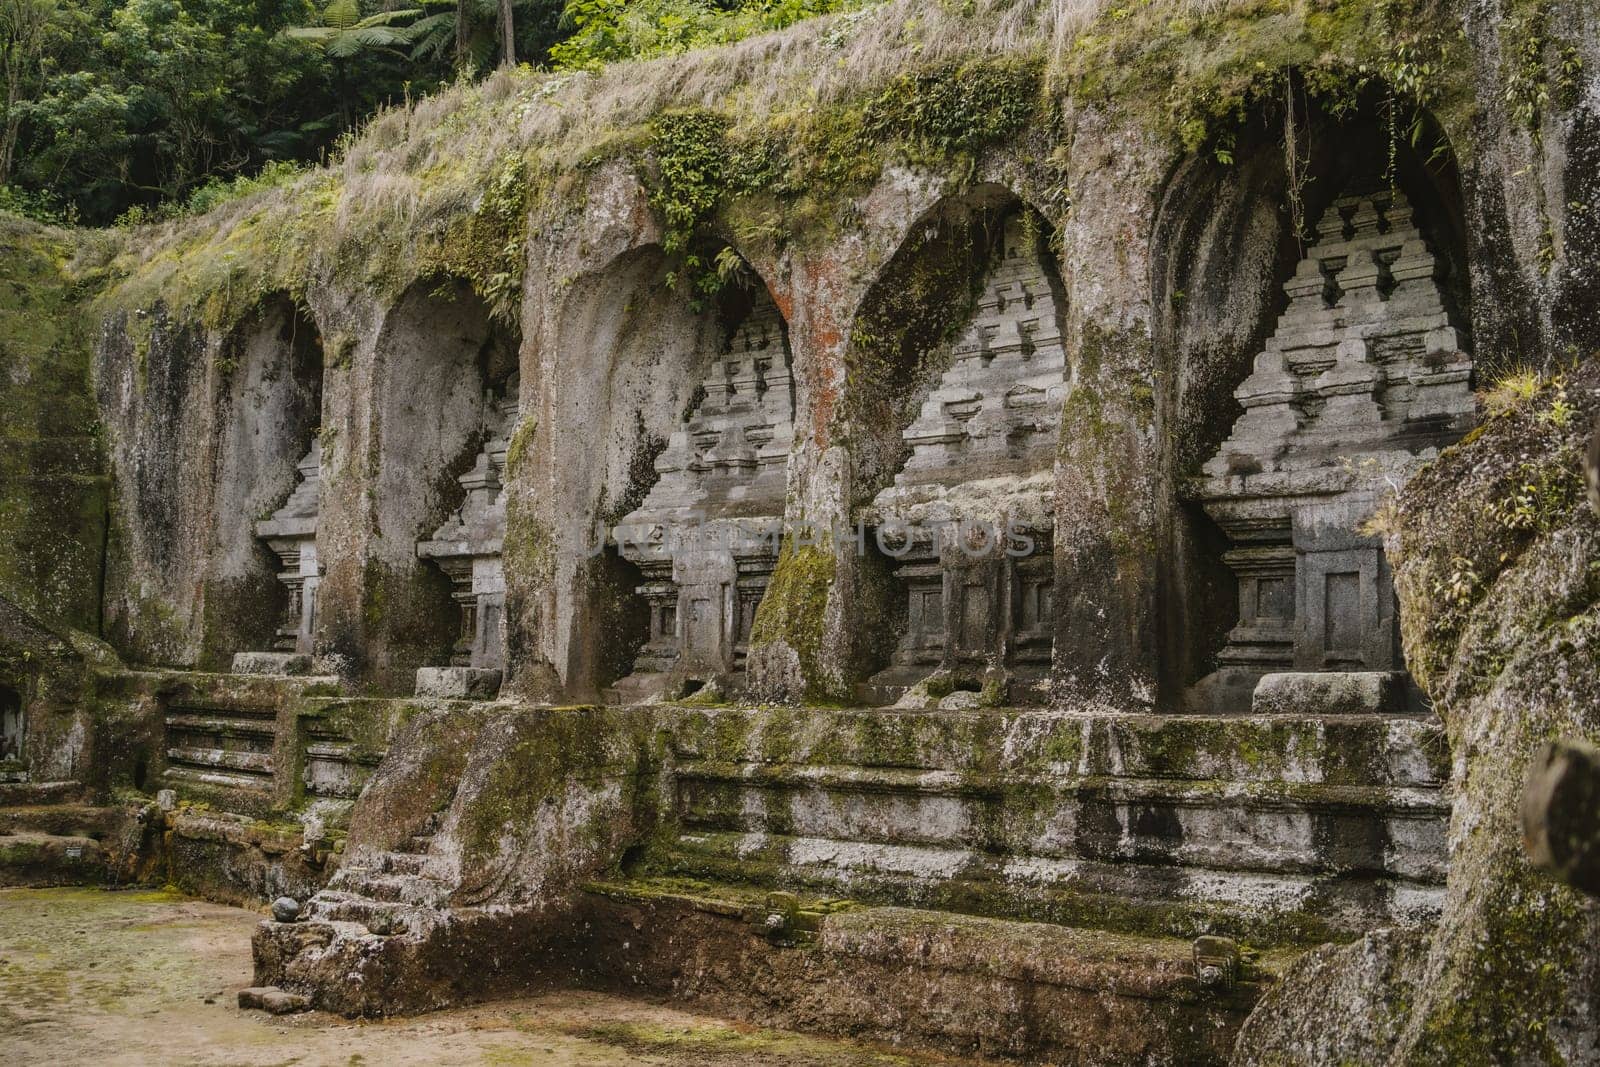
<point x="458" y="683"/>
<point x="273" y="1000"/>
<point x="1329" y="693"/>
<point x="291" y="663"/>
<point x="1561" y="812"/>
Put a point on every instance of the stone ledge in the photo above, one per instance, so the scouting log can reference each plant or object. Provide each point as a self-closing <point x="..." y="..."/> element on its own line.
<point x="919" y="978"/>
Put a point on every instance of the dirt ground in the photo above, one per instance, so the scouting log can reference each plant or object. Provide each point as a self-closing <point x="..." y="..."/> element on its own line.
<point x="88" y="976"/>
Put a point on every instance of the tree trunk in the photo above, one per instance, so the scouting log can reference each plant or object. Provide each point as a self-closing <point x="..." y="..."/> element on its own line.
<point x="508" y="36"/>
<point x="461" y="35"/>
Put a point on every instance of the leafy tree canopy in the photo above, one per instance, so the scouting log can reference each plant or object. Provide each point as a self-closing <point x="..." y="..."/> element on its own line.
<point x="143" y="108"/>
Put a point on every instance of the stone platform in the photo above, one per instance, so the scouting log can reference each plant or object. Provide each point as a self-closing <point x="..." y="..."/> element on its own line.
<point x="1034" y="881"/>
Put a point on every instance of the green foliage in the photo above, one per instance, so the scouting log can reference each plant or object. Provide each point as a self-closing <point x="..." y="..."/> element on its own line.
<point x="488" y="246"/>
<point x="690" y="153"/>
<point x="144" y="101"/>
<point x="214" y="192"/>
<point x="607" y="31"/>
<point x="1539" y="69"/>
<point x="956" y="109"/>
<point x="344" y="33"/>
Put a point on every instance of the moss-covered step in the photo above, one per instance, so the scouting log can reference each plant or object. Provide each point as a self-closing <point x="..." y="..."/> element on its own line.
<point x="917" y="977"/>
<point x="1263" y="906"/>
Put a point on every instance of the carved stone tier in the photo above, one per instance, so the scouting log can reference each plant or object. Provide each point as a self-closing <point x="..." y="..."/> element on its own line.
<point x="706" y="536"/>
<point x="467" y="548"/>
<point x="1363" y="381"/>
<point x="998" y="406"/>
<point x="982" y="452"/>
<point x="291" y="533"/>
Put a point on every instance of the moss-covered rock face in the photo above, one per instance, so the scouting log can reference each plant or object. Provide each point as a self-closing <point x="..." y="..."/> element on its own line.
<point x="1498" y="568"/>
<point x="52" y="485"/>
<point x="788" y="632"/>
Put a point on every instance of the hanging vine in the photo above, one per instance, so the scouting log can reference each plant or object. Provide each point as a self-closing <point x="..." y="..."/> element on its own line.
<point x="1296" y="158"/>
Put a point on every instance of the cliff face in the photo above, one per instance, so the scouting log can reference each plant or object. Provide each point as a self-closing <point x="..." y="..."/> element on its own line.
<point x="1498" y="568"/>
<point x="596" y="221"/>
<point x="52" y="481"/>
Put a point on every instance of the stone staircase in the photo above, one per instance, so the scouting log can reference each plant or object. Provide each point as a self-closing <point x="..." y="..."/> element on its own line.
<point x="399" y="892"/>
<point x="381" y="938"/>
<point x="51" y="836"/>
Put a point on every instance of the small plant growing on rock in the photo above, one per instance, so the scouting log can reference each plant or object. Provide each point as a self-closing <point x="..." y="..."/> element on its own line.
<point x="1510" y="391"/>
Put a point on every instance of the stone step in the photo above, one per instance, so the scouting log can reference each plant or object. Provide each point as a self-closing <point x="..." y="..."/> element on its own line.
<point x="42" y="859"/>
<point x="405" y="863"/>
<point x="393" y="888"/>
<point x="30" y="794"/>
<point x="1378" y="750"/>
<point x="1263" y="905"/>
<point x="382" y="918"/>
<point x="1043" y="992"/>
<point x="1262" y="826"/>
<point x="415" y="845"/>
<point x="273" y="1000"/>
<point x="220" y="777"/>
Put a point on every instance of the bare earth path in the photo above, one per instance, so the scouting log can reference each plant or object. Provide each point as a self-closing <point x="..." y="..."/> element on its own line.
<point x="88" y="976"/>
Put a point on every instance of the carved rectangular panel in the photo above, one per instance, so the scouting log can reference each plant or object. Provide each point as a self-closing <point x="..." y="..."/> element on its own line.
<point x="1342" y="615"/>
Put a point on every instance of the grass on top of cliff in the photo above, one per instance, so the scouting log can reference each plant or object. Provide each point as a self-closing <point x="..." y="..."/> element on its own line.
<point x="448" y="183"/>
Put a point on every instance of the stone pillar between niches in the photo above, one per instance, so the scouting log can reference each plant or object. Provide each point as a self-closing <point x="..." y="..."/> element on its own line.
<point x="1104" y="539"/>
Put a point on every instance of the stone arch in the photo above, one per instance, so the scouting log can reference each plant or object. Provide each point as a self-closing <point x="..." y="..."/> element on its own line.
<point x="956" y="370"/>
<point x="1223" y="250"/>
<point x="441" y="364"/>
<point x="633" y="357"/>
<point x="270" y="414"/>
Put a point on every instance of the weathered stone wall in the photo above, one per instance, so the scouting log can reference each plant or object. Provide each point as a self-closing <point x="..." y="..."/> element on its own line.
<point x="1168" y="261"/>
<point x="1148" y="150"/>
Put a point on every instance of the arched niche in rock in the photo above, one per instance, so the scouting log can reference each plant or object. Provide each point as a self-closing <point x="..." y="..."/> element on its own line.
<point x="1299" y="379"/>
<point x="443" y="388"/>
<point x="956" y="374"/>
<point x="663" y="454"/>
<point x="12" y="734"/>
<point x="270" y="415"/>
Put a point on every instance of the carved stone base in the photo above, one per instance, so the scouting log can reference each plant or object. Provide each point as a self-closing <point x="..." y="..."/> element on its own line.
<point x="644" y="687"/>
<point x="458" y="683"/>
<point x="1332" y="693"/>
<point x="282" y="663"/>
